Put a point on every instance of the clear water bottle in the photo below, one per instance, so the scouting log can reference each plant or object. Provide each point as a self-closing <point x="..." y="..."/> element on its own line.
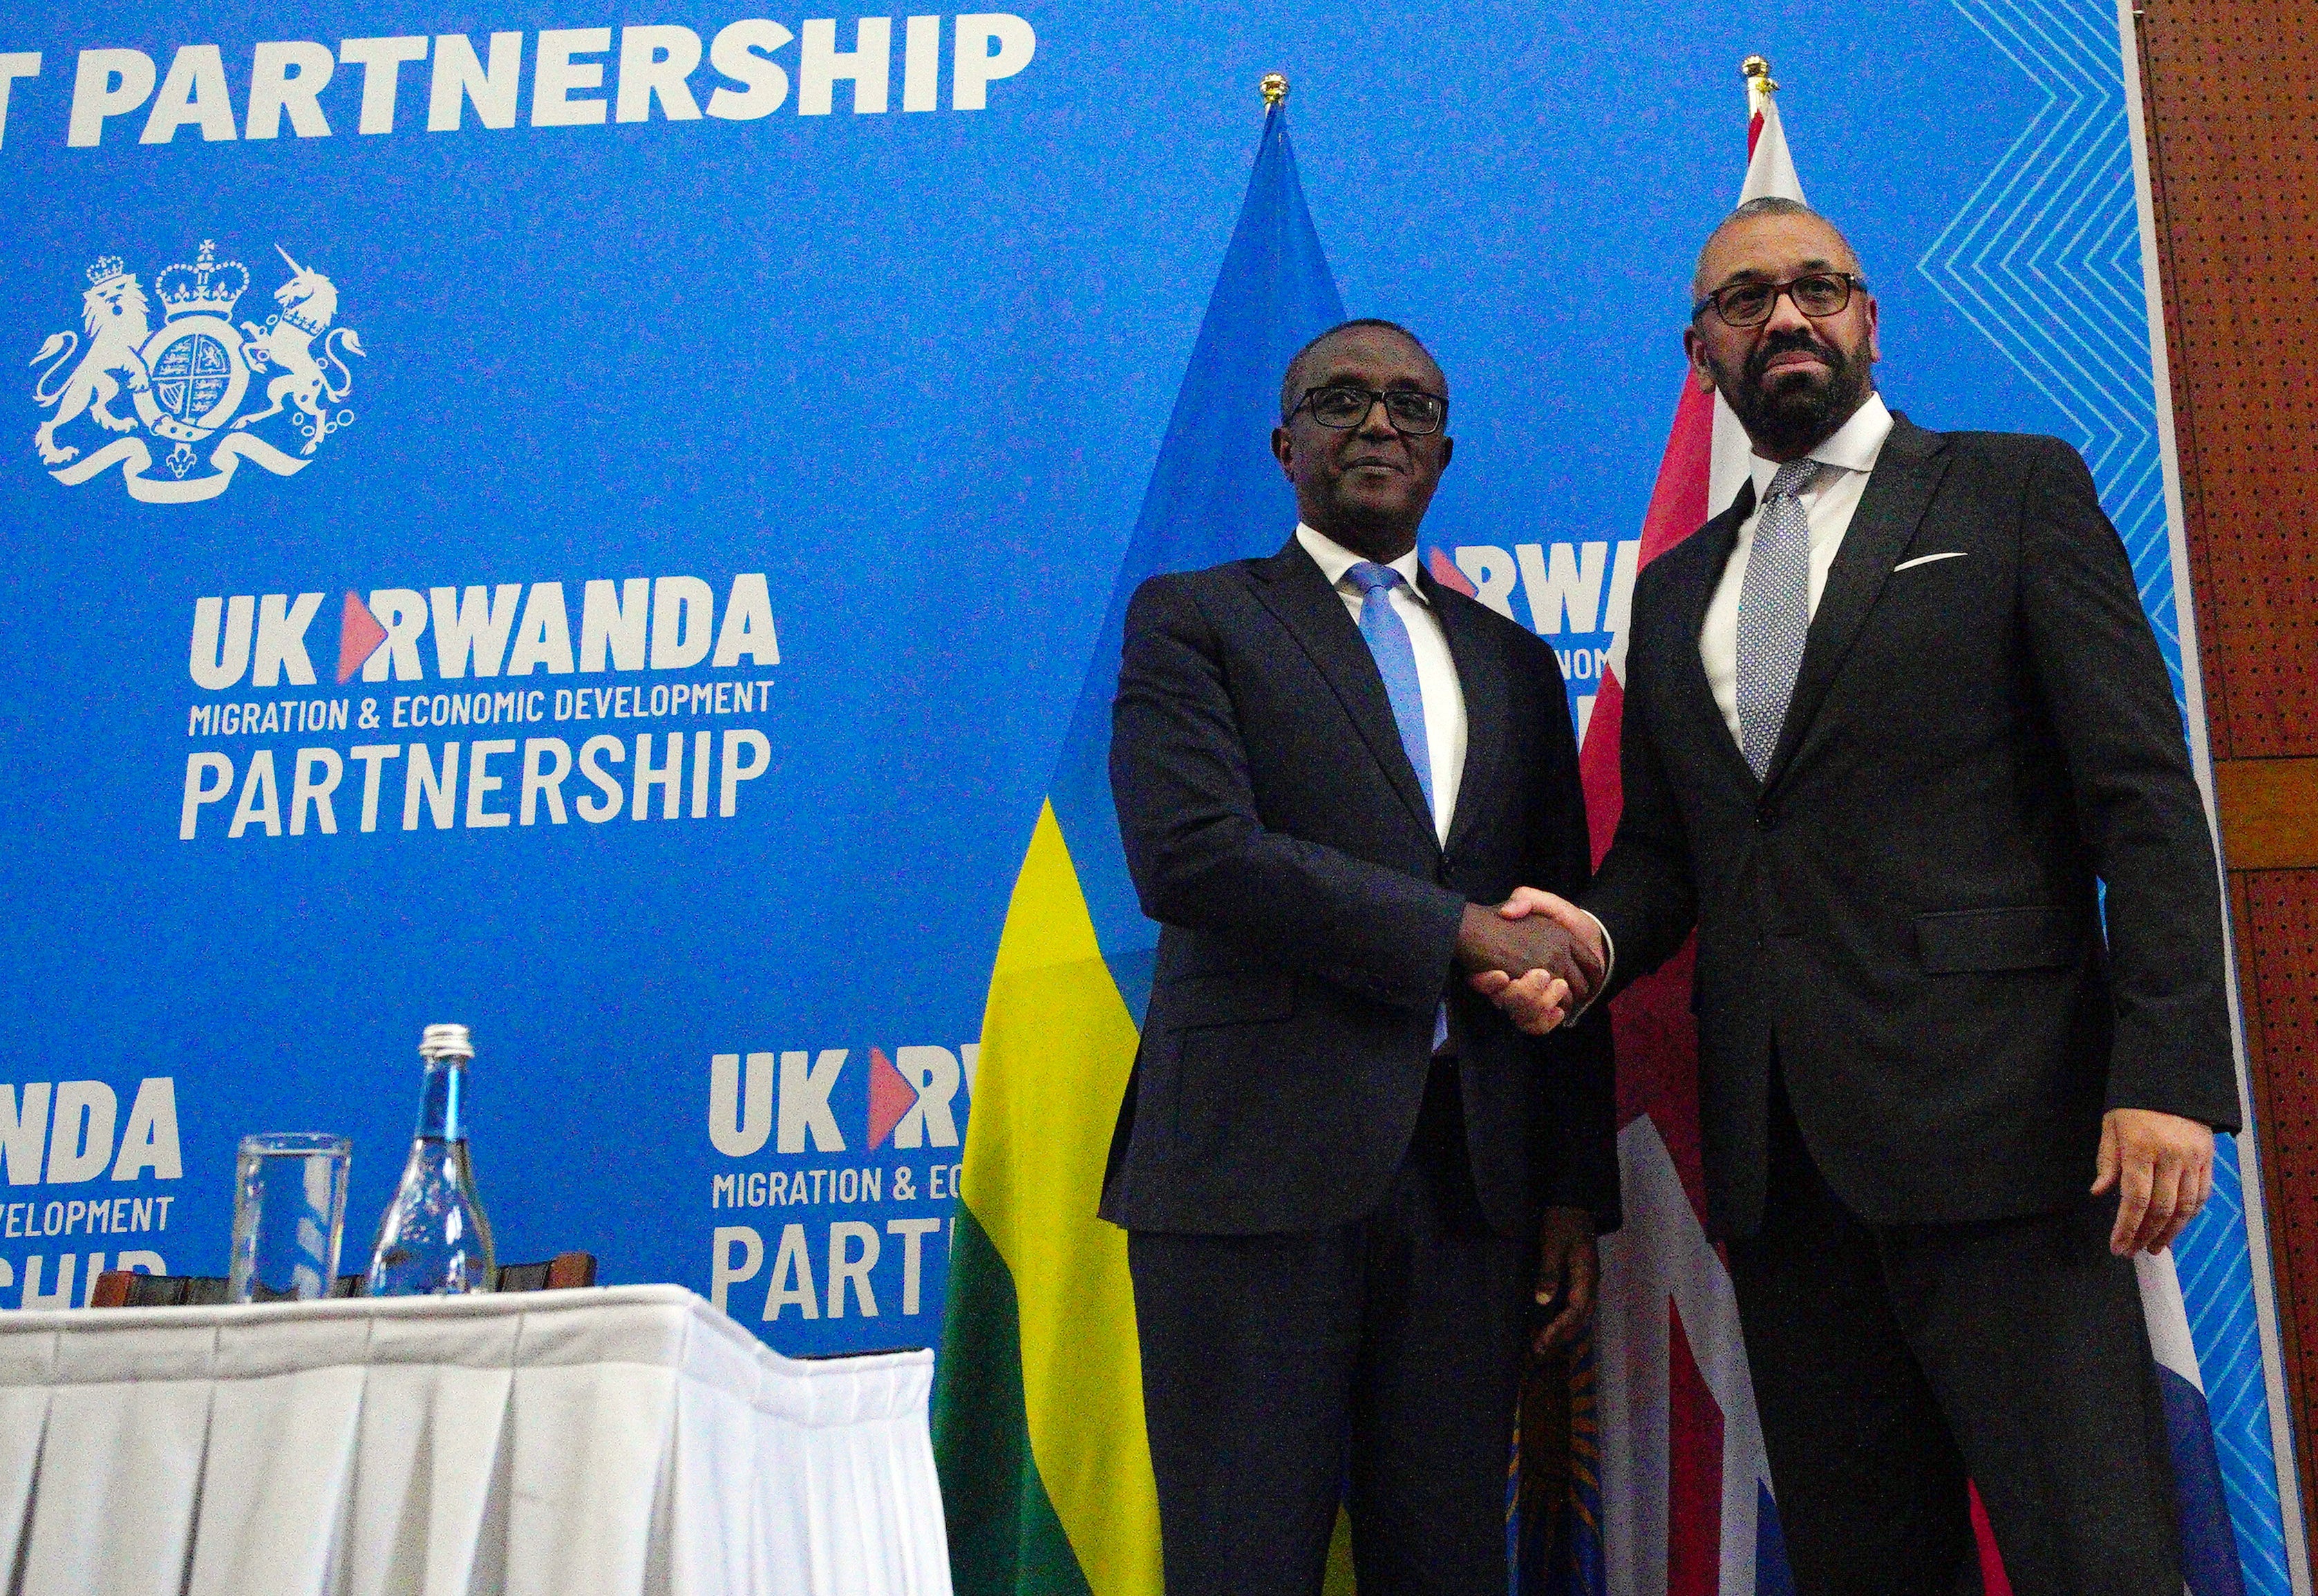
<point x="434" y="1239"/>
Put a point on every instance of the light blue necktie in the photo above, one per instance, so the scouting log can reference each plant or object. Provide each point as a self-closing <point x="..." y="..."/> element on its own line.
<point x="1774" y="614"/>
<point x="1387" y="639"/>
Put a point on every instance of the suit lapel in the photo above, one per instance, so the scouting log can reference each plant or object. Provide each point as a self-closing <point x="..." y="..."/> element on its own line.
<point x="1899" y="491"/>
<point x="1716" y="539"/>
<point x="1290" y="586"/>
<point x="1489" y="700"/>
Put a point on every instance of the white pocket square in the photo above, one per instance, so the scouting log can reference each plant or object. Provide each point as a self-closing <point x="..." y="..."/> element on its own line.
<point x="1927" y="559"/>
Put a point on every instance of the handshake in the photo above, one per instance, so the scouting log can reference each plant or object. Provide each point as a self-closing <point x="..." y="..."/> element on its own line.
<point x="1538" y="957"/>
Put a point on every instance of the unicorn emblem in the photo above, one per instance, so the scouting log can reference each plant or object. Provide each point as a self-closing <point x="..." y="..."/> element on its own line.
<point x="309" y="302"/>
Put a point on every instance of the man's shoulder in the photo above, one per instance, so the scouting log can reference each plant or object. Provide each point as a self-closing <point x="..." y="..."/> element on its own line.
<point x="2022" y="451"/>
<point x="1481" y="622"/>
<point x="1208" y="579"/>
<point x="1683" y="559"/>
<point x="1200" y="588"/>
<point x="1676" y="570"/>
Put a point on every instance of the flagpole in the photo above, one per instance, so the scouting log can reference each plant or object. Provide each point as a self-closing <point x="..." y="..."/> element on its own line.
<point x="1274" y="88"/>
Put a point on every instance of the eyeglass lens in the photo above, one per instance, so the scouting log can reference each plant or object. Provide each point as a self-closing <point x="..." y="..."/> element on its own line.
<point x="1748" y="304"/>
<point x="1409" y="409"/>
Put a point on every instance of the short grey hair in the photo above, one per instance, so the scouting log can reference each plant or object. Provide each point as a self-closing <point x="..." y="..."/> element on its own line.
<point x="1767" y="205"/>
<point x="1291" y="383"/>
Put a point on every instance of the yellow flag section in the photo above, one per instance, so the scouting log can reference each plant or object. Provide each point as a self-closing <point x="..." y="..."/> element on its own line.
<point x="1039" y="1404"/>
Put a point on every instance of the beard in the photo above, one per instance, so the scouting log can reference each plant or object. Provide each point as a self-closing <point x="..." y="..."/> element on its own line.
<point x="1794" y="414"/>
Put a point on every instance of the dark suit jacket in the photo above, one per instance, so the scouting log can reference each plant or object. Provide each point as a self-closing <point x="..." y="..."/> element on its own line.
<point x="1274" y="828"/>
<point x="1907" y="912"/>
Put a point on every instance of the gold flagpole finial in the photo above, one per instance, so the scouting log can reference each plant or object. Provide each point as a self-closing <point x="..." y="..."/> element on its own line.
<point x="1275" y="88"/>
<point x="1758" y="70"/>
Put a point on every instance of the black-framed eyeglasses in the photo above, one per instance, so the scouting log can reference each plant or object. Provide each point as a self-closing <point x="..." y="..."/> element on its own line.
<point x="1344" y="405"/>
<point x="1815" y="294"/>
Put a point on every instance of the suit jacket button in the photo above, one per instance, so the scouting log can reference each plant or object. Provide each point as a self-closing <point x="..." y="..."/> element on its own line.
<point x="1765" y="821"/>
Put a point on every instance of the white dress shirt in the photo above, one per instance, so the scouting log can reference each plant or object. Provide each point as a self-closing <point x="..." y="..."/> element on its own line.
<point x="1436" y="672"/>
<point x="1845" y="461"/>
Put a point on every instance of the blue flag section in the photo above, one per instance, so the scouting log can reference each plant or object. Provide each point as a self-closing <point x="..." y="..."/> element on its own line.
<point x="1216" y="493"/>
<point x="2210" y="1559"/>
<point x="611" y="529"/>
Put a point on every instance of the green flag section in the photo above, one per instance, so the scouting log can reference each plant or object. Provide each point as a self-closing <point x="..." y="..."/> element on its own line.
<point x="1004" y="1531"/>
<point x="1065" y="1502"/>
<point x="1039" y="1397"/>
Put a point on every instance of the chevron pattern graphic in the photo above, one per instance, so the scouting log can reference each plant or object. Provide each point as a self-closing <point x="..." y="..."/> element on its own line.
<point x="2217" y="1289"/>
<point x="2056" y="224"/>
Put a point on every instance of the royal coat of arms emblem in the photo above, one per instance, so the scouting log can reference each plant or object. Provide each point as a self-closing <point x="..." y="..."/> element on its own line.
<point x="188" y="383"/>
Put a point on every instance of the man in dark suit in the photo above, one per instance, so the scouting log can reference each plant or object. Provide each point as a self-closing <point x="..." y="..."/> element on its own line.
<point x="1892" y="719"/>
<point x="1335" y="1161"/>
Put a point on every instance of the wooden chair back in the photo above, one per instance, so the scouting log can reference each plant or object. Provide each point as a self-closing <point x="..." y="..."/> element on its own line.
<point x="126" y="1288"/>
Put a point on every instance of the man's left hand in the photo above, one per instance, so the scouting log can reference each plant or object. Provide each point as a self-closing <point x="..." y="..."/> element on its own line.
<point x="1567" y="1274"/>
<point x="1538" y="1004"/>
<point x="2163" y="1167"/>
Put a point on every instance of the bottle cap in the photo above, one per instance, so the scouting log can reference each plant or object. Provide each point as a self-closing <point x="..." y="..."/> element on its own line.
<point x="445" y="1042"/>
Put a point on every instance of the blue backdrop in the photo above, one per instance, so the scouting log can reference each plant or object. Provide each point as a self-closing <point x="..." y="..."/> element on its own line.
<point x="852" y="344"/>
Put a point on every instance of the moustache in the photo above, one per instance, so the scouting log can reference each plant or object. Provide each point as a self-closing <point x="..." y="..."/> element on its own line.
<point x="1790" y="342"/>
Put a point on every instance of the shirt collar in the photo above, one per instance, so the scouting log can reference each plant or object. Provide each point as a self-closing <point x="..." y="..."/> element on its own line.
<point x="1334" y="559"/>
<point x="1854" y="446"/>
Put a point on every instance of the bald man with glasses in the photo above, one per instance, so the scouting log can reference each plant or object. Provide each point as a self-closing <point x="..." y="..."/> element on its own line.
<point x="1893" y="720"/>
<point x="1354" y="1192"/>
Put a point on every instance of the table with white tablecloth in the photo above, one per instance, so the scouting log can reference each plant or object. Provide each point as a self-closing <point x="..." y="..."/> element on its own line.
<point x="625" y="1441"/>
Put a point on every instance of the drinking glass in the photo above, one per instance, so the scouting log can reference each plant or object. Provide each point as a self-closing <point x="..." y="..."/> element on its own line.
<point x="289" y="1216"/>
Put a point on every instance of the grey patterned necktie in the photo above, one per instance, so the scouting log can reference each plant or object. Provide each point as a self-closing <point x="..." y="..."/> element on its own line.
<point x="1773" y="614"/>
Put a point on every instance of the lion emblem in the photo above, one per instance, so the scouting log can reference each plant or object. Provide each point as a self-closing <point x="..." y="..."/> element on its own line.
<point x="116" y="316"/>
<point x="308" y="301"/>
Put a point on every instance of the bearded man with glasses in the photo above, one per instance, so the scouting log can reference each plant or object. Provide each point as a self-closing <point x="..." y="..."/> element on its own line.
<point x="1893" y="721"/>
<point x="1354" y="1191"/>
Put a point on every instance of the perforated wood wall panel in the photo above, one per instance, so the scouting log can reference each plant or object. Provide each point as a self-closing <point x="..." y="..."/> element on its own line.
<point x="2275" y="916"/>
<point x="2232" y="96"/>
<point x="2233" y="93"/>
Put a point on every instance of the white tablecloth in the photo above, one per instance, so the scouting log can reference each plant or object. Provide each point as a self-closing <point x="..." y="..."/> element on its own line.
<point x="625" y="1441"/>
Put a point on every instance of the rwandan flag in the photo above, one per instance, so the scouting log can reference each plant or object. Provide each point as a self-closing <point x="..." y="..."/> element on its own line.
<point x="1037" y="1411"/>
